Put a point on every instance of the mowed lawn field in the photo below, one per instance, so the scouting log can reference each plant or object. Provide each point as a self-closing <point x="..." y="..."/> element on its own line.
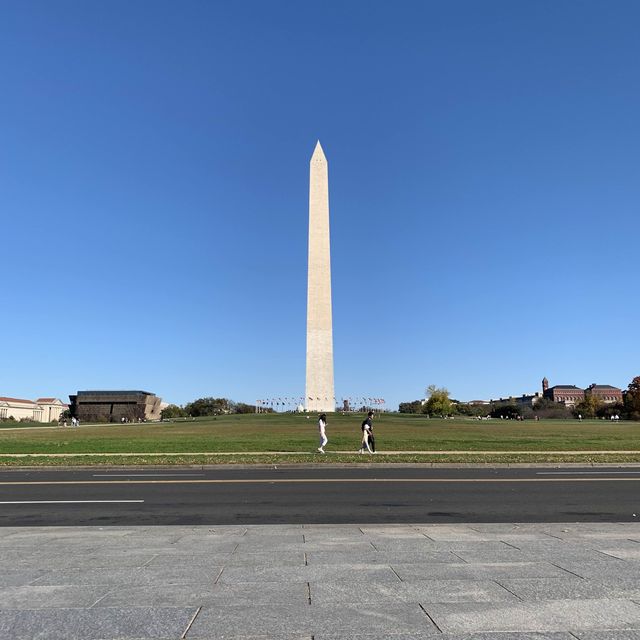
<point x="293" y="438"/>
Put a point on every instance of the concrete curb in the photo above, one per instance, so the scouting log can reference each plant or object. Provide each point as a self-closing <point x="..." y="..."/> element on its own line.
<point x="337" y="465"/>
<point x="315" y="454"/>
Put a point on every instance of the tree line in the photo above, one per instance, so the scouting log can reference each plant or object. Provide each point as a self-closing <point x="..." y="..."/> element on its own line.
<point x="207" y="407"/>
<point x="439" y="403"/>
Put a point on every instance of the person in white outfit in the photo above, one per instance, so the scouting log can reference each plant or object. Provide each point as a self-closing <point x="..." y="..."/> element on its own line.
<point x="367" y="434"/>
<point x="322" y="425"/>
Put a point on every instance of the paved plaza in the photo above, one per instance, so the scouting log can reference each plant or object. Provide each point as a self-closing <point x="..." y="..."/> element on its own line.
<point x="477" y="582"/>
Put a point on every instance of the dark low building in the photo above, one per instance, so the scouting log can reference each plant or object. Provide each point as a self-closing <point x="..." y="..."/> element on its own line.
<point x="113" y="406"/>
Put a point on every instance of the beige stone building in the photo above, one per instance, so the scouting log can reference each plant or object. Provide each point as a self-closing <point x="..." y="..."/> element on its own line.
<point x="40" y="410"/>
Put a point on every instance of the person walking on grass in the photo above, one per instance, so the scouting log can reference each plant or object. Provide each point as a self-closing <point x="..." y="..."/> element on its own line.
<point x="322" y="425"/>
<point x="368" y="440"/>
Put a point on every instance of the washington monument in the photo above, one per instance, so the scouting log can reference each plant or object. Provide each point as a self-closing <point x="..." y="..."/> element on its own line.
<point x="319" y="394"/>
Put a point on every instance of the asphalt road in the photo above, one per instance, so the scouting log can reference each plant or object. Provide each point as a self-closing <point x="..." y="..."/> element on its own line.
<point x="318" y="495"/>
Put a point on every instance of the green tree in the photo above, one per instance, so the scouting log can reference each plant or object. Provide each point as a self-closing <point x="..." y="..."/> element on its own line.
<point x="410" y="407"/>
<point x="241" y="407"/>
<point x="632" y="399"/>
<point x="547" y="408"/>
<point x="172" y="411"/>
<point x="474" y="410"/>
<point x="608" y="410"/>
<point x="208" y="407"/>
<point x="589" y="407"/>
<point x="438" y="402"/>
<point x="506" y="410"/>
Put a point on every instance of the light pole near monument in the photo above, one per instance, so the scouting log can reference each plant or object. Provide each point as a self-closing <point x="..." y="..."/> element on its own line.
<point x="319" y="395"/>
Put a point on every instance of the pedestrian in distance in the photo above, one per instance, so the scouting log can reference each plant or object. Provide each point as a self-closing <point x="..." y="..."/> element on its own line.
<point x="322" y="425"/>
<point x="368" y="440"/>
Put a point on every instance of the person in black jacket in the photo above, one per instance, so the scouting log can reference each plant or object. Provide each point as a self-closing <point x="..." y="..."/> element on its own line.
<point x="368" y="439"/>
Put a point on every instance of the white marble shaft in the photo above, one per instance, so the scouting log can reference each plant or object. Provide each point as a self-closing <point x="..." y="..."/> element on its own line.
<point x="319" y="395"/>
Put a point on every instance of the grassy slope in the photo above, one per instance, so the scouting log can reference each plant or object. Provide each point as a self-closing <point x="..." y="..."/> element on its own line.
<point x="295" y="433"/>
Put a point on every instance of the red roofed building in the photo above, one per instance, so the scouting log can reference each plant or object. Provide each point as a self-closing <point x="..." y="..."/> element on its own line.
<point x="567" y="394"/>
<point x="604" y="392"/>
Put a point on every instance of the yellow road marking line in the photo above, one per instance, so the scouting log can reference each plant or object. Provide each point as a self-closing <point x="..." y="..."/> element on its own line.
<point x="312" y="481"/>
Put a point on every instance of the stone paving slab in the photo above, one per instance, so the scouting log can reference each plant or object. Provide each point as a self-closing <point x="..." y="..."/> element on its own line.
<point x="479" y="571"/>
<point x="19" y="578"/>
<point x="570" y="587"/>
<point x="511" y="636"/>
<point x="95" y="624"/>
<point x="345" y="620"/>
<point x="423" y="591"/>
<point x="549" y="615"/>
<point x="273" y="621"/>
<point x="372" y="556"/>
<point x="51" y="559"/>
<point x="220" y="595"/>
<point x="169" y="574"/>
<point x="391" y="618"/>
<point x="601" y="569"/>
<point x="329" y="572"/>
<point x="608" y="635"/>
<point x="50" y="597"/>
<point x="292" y="582"/>
<point x="469" y="636"/>
<point x="624" y="553"/>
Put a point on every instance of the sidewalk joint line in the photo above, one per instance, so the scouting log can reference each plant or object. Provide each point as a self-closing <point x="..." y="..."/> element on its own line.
<point x="433" y="622"/>
<point x="608" y="555"/>
<point x="509" y="590"/>
<point x="148" y="562"/>
<point x="309" y="592"/>
<point x="195" y="615"/>
<point x="218" y="578"/>
<point x="373" y="545"/>
<point x="101" y="598"/>
<point x="306" y="563"/>
<point x="396" y="573"/>
<point x="553" y="564"/>
<point x="513" y="546"/>
<point x="453" y="553"/>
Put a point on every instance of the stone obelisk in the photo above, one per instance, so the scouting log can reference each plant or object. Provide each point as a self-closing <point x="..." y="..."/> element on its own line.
<point x="319" y="396"/>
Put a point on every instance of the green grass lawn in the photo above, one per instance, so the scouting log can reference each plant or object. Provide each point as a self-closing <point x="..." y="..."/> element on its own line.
<point x="294" y="433"/>
<point x="10" y="424"/>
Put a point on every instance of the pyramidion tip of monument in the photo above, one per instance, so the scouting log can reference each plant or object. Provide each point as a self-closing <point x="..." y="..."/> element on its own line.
<point x="318" y="153"/>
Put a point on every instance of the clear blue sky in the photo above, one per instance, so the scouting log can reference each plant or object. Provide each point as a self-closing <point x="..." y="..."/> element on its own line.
<point x="484" y="166"/>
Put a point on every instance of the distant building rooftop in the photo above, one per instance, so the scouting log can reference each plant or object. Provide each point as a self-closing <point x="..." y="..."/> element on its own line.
<point x="105" y="393"/>
<point x="565" y="386"/>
